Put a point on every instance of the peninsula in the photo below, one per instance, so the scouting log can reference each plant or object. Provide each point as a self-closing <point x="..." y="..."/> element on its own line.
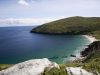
<point x="71" y="26"/>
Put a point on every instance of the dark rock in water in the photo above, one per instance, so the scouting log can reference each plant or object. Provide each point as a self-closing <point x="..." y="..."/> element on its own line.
<point x="55" y="57"/>
<point x="64" y="56"/>
<point x="73" y="55"/>
<point x="92" y="48"/>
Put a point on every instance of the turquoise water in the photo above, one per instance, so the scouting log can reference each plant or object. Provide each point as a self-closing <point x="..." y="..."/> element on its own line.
<point x="17" y="44"/>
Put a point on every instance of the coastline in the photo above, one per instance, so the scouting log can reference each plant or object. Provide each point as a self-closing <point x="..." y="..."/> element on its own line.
<point x="77" y="53"/>
<point x="92" y="39"/>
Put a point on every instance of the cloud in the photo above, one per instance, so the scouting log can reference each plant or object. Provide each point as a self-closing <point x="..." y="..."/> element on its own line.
<point x="24" y="21"/>
<point x="23" y="2"/>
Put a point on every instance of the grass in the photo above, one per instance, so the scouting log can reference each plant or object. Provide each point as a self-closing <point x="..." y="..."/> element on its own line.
<point x="4" y="66"/>
<point x="92" y="62"/>
<point x="56" y="71"/>
<point x="93" y="66"/>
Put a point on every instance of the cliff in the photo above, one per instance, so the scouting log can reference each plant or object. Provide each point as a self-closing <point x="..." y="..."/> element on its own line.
<point x="93" y="48"/>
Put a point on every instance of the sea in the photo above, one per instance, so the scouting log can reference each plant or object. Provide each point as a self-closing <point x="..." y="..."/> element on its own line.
<point x="17" y="44"/>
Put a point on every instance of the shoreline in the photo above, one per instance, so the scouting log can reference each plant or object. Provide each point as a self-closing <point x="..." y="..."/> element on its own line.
<point x="90" y="38"/>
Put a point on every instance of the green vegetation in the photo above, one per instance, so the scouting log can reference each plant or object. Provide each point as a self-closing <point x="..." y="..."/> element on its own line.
<point x="92" y="62"/>
<point x="71" y="26"/>
<point x="93" y="65"/>
<point x="56" y="71"/>
<point x="4" y="66"/>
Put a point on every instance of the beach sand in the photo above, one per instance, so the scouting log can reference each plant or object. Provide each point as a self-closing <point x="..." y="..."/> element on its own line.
<point x="90" y="38"/>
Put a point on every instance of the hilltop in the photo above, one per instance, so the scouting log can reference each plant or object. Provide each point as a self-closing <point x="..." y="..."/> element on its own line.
<point x="71" y="26"/>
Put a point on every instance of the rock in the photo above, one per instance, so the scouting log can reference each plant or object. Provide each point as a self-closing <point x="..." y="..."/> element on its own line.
<point x="77" y="71"/>
<point x="73" y="55"/>
<point x="91" y="49"/>
<point x="30" y="67"/>
<point x="55" y="57"/>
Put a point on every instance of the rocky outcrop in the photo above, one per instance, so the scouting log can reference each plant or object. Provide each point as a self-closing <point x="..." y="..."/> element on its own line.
<point x="30" y="67"/>
<point x="91" y="49"/>
<point x="38" y="66"/>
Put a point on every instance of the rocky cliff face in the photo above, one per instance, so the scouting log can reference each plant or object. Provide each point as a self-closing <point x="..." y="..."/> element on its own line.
<point x="30" y="67"/>
<point x="91" y="49"/>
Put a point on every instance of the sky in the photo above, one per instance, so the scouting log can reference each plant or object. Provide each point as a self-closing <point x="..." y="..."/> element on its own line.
<point x="36" y="12"/>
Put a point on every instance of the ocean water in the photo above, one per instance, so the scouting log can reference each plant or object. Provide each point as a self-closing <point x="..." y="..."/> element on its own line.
<point x="17" y="44"/>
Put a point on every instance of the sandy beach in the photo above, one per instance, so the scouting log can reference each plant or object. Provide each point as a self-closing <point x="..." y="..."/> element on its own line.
<point x="90" y="38"/>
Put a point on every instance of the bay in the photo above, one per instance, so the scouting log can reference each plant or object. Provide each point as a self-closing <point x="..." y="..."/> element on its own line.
<point x="17" y="44"/>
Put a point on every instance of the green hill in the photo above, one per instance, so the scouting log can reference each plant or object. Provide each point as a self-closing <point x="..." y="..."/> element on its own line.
<point x="71" y="26"/>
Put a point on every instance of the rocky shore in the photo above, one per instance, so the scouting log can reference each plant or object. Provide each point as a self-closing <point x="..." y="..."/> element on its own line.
<point x="91" y="49"/>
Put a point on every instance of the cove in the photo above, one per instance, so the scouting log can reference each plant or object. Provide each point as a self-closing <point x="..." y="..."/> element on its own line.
<point x="17" y="44"/>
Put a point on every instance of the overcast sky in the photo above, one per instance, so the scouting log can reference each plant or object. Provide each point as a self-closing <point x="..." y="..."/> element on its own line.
<point x="35" y="12"/>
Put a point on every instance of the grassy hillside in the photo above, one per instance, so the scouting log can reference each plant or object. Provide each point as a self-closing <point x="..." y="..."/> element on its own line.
<point x="71" y="25"/>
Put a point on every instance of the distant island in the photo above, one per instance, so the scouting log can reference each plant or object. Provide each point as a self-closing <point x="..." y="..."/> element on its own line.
<point x="71" y="26"/>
